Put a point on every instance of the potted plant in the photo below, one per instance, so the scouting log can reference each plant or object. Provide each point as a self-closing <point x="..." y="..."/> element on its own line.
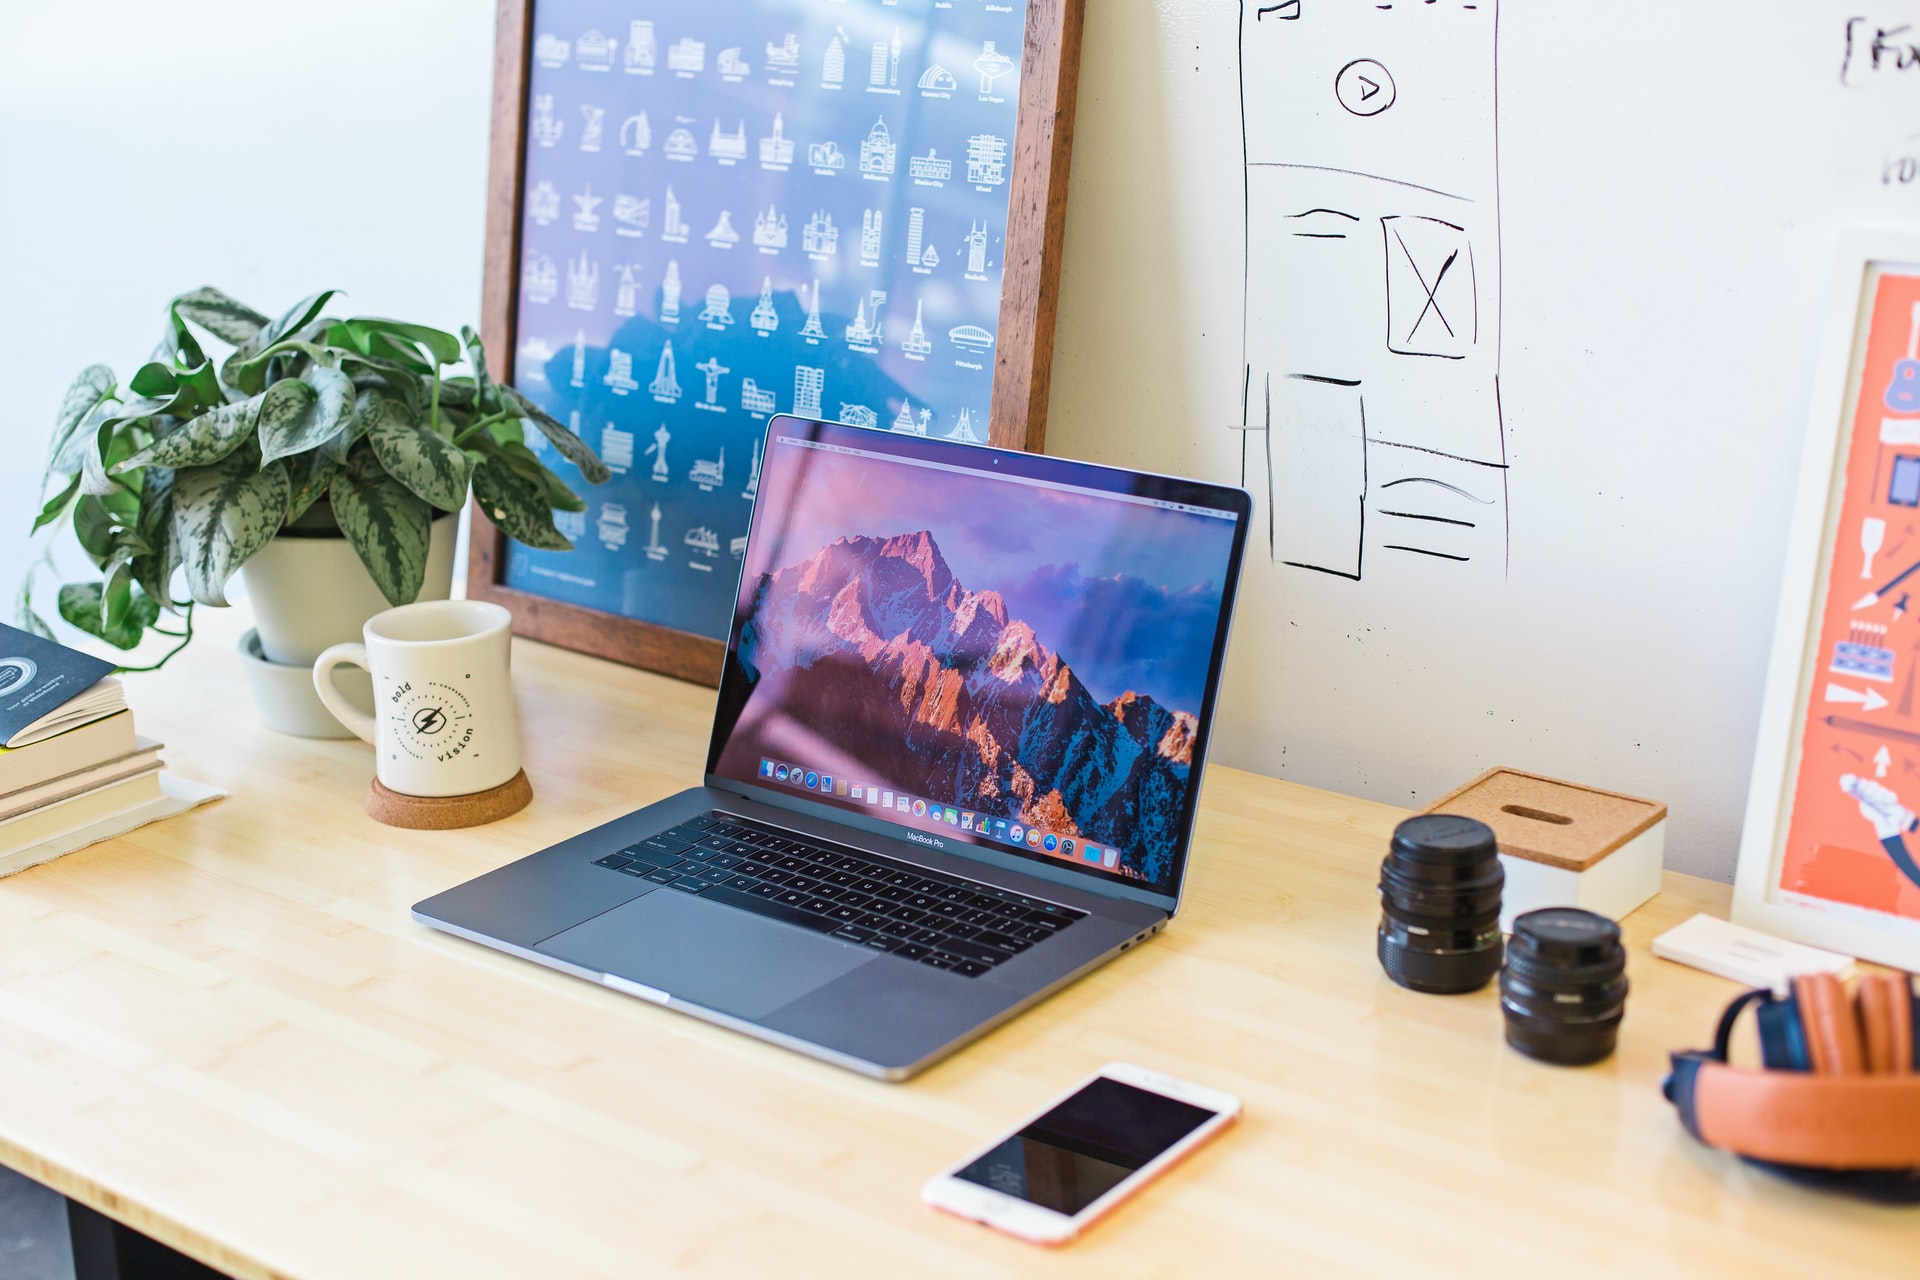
<point x="328" y="456"/>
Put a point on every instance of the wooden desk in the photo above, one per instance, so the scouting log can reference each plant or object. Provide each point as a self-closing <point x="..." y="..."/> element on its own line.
<point x="225" y="1031"/>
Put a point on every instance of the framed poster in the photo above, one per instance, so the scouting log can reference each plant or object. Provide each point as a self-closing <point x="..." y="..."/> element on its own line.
<point x="702" y="214"/>
<point x="1830" y="854"/>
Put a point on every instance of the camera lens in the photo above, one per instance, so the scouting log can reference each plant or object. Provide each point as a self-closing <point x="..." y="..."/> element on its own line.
<point x="1440" y="904"/>
<point x="1564" y="989"/>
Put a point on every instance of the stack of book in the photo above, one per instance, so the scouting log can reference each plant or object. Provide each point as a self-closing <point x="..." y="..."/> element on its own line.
<point x="72" y="770"/>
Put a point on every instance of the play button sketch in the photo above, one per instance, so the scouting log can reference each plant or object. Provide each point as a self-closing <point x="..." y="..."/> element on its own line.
<point x="1364" y="87"/>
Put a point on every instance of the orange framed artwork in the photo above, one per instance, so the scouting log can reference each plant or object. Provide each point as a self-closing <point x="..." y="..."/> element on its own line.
<point x="1830" y="854"/>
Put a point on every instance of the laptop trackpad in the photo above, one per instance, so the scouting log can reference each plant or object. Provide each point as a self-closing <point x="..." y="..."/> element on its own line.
<point x="706" y="954"/>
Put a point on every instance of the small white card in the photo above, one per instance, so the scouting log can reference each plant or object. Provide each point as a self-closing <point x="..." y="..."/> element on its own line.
<point x="1745" y="955"/>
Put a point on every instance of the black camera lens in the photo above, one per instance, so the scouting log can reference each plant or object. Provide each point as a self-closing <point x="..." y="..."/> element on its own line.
<point x="1564" y="989"/>
<point x="1440" y="904"/>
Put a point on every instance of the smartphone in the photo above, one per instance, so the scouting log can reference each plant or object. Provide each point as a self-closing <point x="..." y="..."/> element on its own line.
<point x="1083" y="1155"/>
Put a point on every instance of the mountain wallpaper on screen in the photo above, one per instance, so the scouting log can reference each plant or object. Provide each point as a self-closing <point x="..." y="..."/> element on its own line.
<point x="873" y="644"/>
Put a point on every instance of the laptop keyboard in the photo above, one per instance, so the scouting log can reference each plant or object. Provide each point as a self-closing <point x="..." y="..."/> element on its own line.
<point x="945" y="922"/>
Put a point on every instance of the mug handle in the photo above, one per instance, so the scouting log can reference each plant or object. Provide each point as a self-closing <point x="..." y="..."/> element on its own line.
<point x="345" y="712"/>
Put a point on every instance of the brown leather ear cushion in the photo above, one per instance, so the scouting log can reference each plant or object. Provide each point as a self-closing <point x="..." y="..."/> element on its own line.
<point x="1828" y="1122"/>
<point x="1885" y="1003"/>
<point x="1833" y="1030"/>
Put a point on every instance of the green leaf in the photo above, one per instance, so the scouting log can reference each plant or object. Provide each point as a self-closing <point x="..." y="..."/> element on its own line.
<point x="571" y="446"/>
<point x="387" y="524"/>
<point x="57" y="505"/>
<point x="154" y="379"/>
<point x="442" y="346"/>
<point x="303" y="414"/>
<point x="153" y="568"/>
<point x="516" y="507"/>
<point x="201" y="442"/>
<point x="230" y="321"/>
<point x="93" y="386"/>
<point x="222" y="515"/>
<point x="308" y="475"/>
<point x="561" y="497"/>
<point x="93" y="608"/>
<point x="424" y="461"/>
<point x="295" y="318"/>
<point x="93" y="525"/>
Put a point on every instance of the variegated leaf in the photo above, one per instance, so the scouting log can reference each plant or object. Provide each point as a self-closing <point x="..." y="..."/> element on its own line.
<point x="93" y="385"/>
<point x="571" y="446"/>
<point x="424" y="461"/>
<point x="203" y="441"/>
<point x="230" y="321"/>
<point x="517" y="508"/>
<point x="153" y="568"/>
<point x="94" y="479"/>
<point x="324" y="416"/>
<point x="222" y="515"/>
<point x="388" y="526"/>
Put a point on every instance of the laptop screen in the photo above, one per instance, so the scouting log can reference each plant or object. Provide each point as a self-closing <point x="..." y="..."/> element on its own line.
<point x="1008" y="650"/>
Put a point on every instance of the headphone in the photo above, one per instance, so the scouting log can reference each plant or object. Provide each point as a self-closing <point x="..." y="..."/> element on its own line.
<point x="1838" y="1103"/>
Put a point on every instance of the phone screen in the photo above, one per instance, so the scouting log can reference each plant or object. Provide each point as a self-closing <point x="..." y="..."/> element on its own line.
<point x="1086" y="1146"/>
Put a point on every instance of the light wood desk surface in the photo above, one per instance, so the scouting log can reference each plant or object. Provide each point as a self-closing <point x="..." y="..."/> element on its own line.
<point x="226" y="1031"/>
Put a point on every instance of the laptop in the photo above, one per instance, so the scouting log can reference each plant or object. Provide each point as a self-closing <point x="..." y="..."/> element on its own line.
<point x="955" y="760"/>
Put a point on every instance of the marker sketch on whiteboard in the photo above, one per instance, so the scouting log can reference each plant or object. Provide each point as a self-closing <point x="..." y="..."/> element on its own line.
<point x="1372" y="329"/>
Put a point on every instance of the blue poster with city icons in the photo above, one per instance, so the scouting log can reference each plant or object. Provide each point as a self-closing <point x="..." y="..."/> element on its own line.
<point x="736" y="208"/>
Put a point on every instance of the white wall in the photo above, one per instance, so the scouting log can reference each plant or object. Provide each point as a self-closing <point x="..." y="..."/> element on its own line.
<point x="1669" y="177"/>
<point x="269" y="149"/>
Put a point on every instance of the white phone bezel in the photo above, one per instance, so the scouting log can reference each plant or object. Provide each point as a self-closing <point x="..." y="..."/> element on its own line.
<point x="1040" y="1225"/>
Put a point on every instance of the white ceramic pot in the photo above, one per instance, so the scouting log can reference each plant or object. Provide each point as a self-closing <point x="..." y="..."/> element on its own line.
<point x="309" y="594"/>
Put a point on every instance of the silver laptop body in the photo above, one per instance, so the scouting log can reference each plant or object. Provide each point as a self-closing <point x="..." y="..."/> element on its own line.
<point x="954" y="763"/>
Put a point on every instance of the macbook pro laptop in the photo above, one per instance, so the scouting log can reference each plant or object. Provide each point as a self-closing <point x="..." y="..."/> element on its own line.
<point x="955" y="757"/>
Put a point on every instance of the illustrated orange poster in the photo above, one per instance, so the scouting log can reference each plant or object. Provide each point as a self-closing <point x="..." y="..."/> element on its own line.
<point x="1854" y="838"/>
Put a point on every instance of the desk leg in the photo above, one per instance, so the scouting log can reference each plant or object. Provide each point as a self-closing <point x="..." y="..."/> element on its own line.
<point x="105" y="1250"/>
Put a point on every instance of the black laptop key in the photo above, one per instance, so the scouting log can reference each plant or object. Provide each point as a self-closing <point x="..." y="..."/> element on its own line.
<point x="726" y="861"/>
<point x="851" y="933"/>
<point x="1000" y="940"/>
<point x="968" y="950"/>
<point x="703" y="821"/>
<point x="940" y="960"/>
<point x="702" y="853"/>
<point x="652" y="857"/>
<point x="613" y="860"/>
<point x="820" y="906"/>
<point x="792" y="897"/>
<point x="775" y="877"/>
<point x="970" y="968"/>
<point x="906" y="915"/>
<point x="769" y="908"/>
<point x="661" y="877"/>
<point x="846" y="913"/>
<point x="691" y="884"/>
<point x="762" y="889"/>
<point x="880" y="942"/>
<point x="638" y="869"/>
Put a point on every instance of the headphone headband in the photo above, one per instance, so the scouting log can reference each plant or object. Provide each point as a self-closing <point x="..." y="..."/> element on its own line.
<point x="1825" y="1122"/>
<point x="1841" y="1092"/>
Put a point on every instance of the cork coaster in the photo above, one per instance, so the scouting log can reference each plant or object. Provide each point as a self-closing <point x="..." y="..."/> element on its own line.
<point x="444" y="813"/>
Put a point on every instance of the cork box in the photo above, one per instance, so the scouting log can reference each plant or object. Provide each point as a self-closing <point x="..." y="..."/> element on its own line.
<point x="1565" y="845"/>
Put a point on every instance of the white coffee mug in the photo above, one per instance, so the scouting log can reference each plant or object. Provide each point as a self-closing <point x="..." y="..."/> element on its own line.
<point x="444" y="722"/>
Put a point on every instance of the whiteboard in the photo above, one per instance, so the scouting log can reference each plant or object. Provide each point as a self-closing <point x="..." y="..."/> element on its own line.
<point x="1516" y="365"/>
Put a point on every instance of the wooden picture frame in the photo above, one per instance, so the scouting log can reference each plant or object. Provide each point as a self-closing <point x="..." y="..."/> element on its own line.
<point x="1828" y="849"/>
<point x="1036" y="216"/>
